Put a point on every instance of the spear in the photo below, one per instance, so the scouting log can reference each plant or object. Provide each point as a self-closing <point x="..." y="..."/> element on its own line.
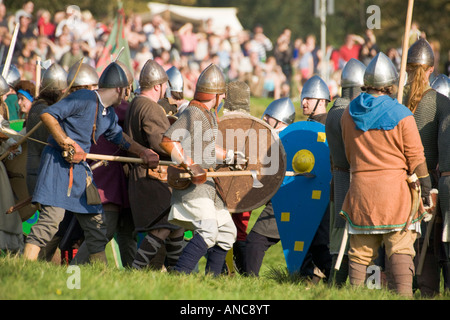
<point x="10" y="52"/>
<point x="405" y="50"/>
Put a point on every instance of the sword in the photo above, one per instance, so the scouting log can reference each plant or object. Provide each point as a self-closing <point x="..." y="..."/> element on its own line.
<point x="10" y="52"/>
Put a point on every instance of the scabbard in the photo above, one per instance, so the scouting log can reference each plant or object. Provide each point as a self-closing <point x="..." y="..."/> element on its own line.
<point x="414" y="186"/>
<point x="19" y="205"/>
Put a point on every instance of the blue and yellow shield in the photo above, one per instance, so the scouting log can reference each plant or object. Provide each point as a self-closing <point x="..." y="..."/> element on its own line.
<point x="302" y="199"/>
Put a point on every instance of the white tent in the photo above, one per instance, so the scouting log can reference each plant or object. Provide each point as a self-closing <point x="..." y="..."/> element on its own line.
<point x="221" y="17"/>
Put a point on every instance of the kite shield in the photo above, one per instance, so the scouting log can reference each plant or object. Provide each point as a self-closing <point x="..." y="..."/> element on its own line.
<point x="302" y="200"/>
<point x="265" y="154"/>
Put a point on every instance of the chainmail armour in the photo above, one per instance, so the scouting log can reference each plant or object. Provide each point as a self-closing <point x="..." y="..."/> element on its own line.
<point x="341" y="175"/>
<point x="427" y="116"/>
<point x="444" y="162"/>
<point x="193" y="129"/>
<point x="35" y="148"/>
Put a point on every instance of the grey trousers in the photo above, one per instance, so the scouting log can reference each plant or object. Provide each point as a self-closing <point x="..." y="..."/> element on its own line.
<point x="93" y="225"/>
<point x="120" y="224"/>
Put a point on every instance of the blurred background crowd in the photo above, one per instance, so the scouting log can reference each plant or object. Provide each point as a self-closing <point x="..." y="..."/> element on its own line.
<point x="272" y="69"/>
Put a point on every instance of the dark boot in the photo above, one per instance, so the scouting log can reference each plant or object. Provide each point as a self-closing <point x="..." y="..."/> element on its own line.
<point x="194" y="250"/>
<point x="239" y="256"/>
<point x="147" y="251"/>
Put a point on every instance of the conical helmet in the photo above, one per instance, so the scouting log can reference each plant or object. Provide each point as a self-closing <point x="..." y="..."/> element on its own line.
<point x="380" y="72"/>
<point x="4" y="87"/>
<point x="420" y="52"/>
<point x="238" y="96"/>
<point x="130" y="76"/>
<point x="442" y="85"/>
<point x="152" y="74"/>
<point x="54" y="78"/>
<point x="176" y="82"/>
<point x="87" y="76"/>
<point x="13" y="76"/>
<point x="282" y="110"/>
<point x="113" y="77"/>
<point x="315" y="88"/>
<point x="210" y="82"/>
<point x="353" y="74"/>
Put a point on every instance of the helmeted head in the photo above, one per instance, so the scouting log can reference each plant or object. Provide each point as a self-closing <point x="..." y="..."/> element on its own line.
<point x="442" y="85"/>
<point x="421" y="52"/>
<point x="113" y="77"/>
<point x="86" y="76"/>
<point x="152" y="74"/>
<point x="210" y="83"/>
<point x="353" y="74"/>
<point x="4" y="87"/>
<point x="282" y="110"/>
<point x="315" y="88"/>
<point x="125" y="68"/>
<point x="238" y="96"/>
<point x="380" y="72"/>
<point x="13" y="76"/>
<point x="176" y="81"/>
<point x="54" y="79"/>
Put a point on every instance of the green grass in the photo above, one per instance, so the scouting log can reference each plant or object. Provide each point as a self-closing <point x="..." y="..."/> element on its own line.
<point x="25" y="280"/>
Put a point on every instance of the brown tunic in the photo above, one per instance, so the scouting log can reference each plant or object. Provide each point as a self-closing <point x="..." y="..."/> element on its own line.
<point x="146" y="123"/>
<point x="379" y="196"/>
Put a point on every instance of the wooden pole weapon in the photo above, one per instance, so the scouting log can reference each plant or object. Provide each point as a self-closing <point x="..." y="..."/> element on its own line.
<point x="405" y="50"/>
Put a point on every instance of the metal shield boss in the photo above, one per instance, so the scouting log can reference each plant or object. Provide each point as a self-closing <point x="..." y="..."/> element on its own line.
<point x="264" y="153"/>
<point x="302" y="200"/>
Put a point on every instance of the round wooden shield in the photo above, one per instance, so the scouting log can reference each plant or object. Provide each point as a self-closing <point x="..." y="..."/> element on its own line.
<point x="265" y="155"/>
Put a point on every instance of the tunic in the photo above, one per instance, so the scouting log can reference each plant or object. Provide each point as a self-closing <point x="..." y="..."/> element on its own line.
<point x="35" y="148"/>
<point x="197" y="134"/>
<point x="76" y="115"/>
<point x="111" y="179"/>
<point x="380" y="159"/>
<point x="146" y="122"/>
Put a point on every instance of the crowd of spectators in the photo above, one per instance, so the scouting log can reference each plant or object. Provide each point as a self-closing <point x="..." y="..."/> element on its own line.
<point x="274" y="69"/>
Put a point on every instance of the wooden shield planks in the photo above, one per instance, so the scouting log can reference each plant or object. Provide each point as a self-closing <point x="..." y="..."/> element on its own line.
<point x="265" y="154"/>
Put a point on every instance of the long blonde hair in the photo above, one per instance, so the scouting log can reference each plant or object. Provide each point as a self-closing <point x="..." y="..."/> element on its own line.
<point x="418" y="81"/>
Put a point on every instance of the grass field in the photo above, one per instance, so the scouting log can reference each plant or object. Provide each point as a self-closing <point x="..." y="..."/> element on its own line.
<point x="24" y="280"/>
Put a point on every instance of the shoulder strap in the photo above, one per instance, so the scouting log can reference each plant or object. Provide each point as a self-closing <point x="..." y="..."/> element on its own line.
<point x="94" y="128"/>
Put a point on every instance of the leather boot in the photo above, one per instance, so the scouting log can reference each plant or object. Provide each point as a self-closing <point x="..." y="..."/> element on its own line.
<point x="174" y="247"/>
<point x="31" y="251"/>
<point x="147" y="251"/>
<point x="402" y="270"/>
<point x="98" y="257"/>
<point x="357" y="273"/>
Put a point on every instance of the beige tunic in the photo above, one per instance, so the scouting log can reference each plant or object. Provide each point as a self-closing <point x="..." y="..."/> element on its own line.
<point x="380" y="160"/>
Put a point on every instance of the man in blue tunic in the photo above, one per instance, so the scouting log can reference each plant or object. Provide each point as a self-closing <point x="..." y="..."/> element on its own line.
<point x="65" y="179"/>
